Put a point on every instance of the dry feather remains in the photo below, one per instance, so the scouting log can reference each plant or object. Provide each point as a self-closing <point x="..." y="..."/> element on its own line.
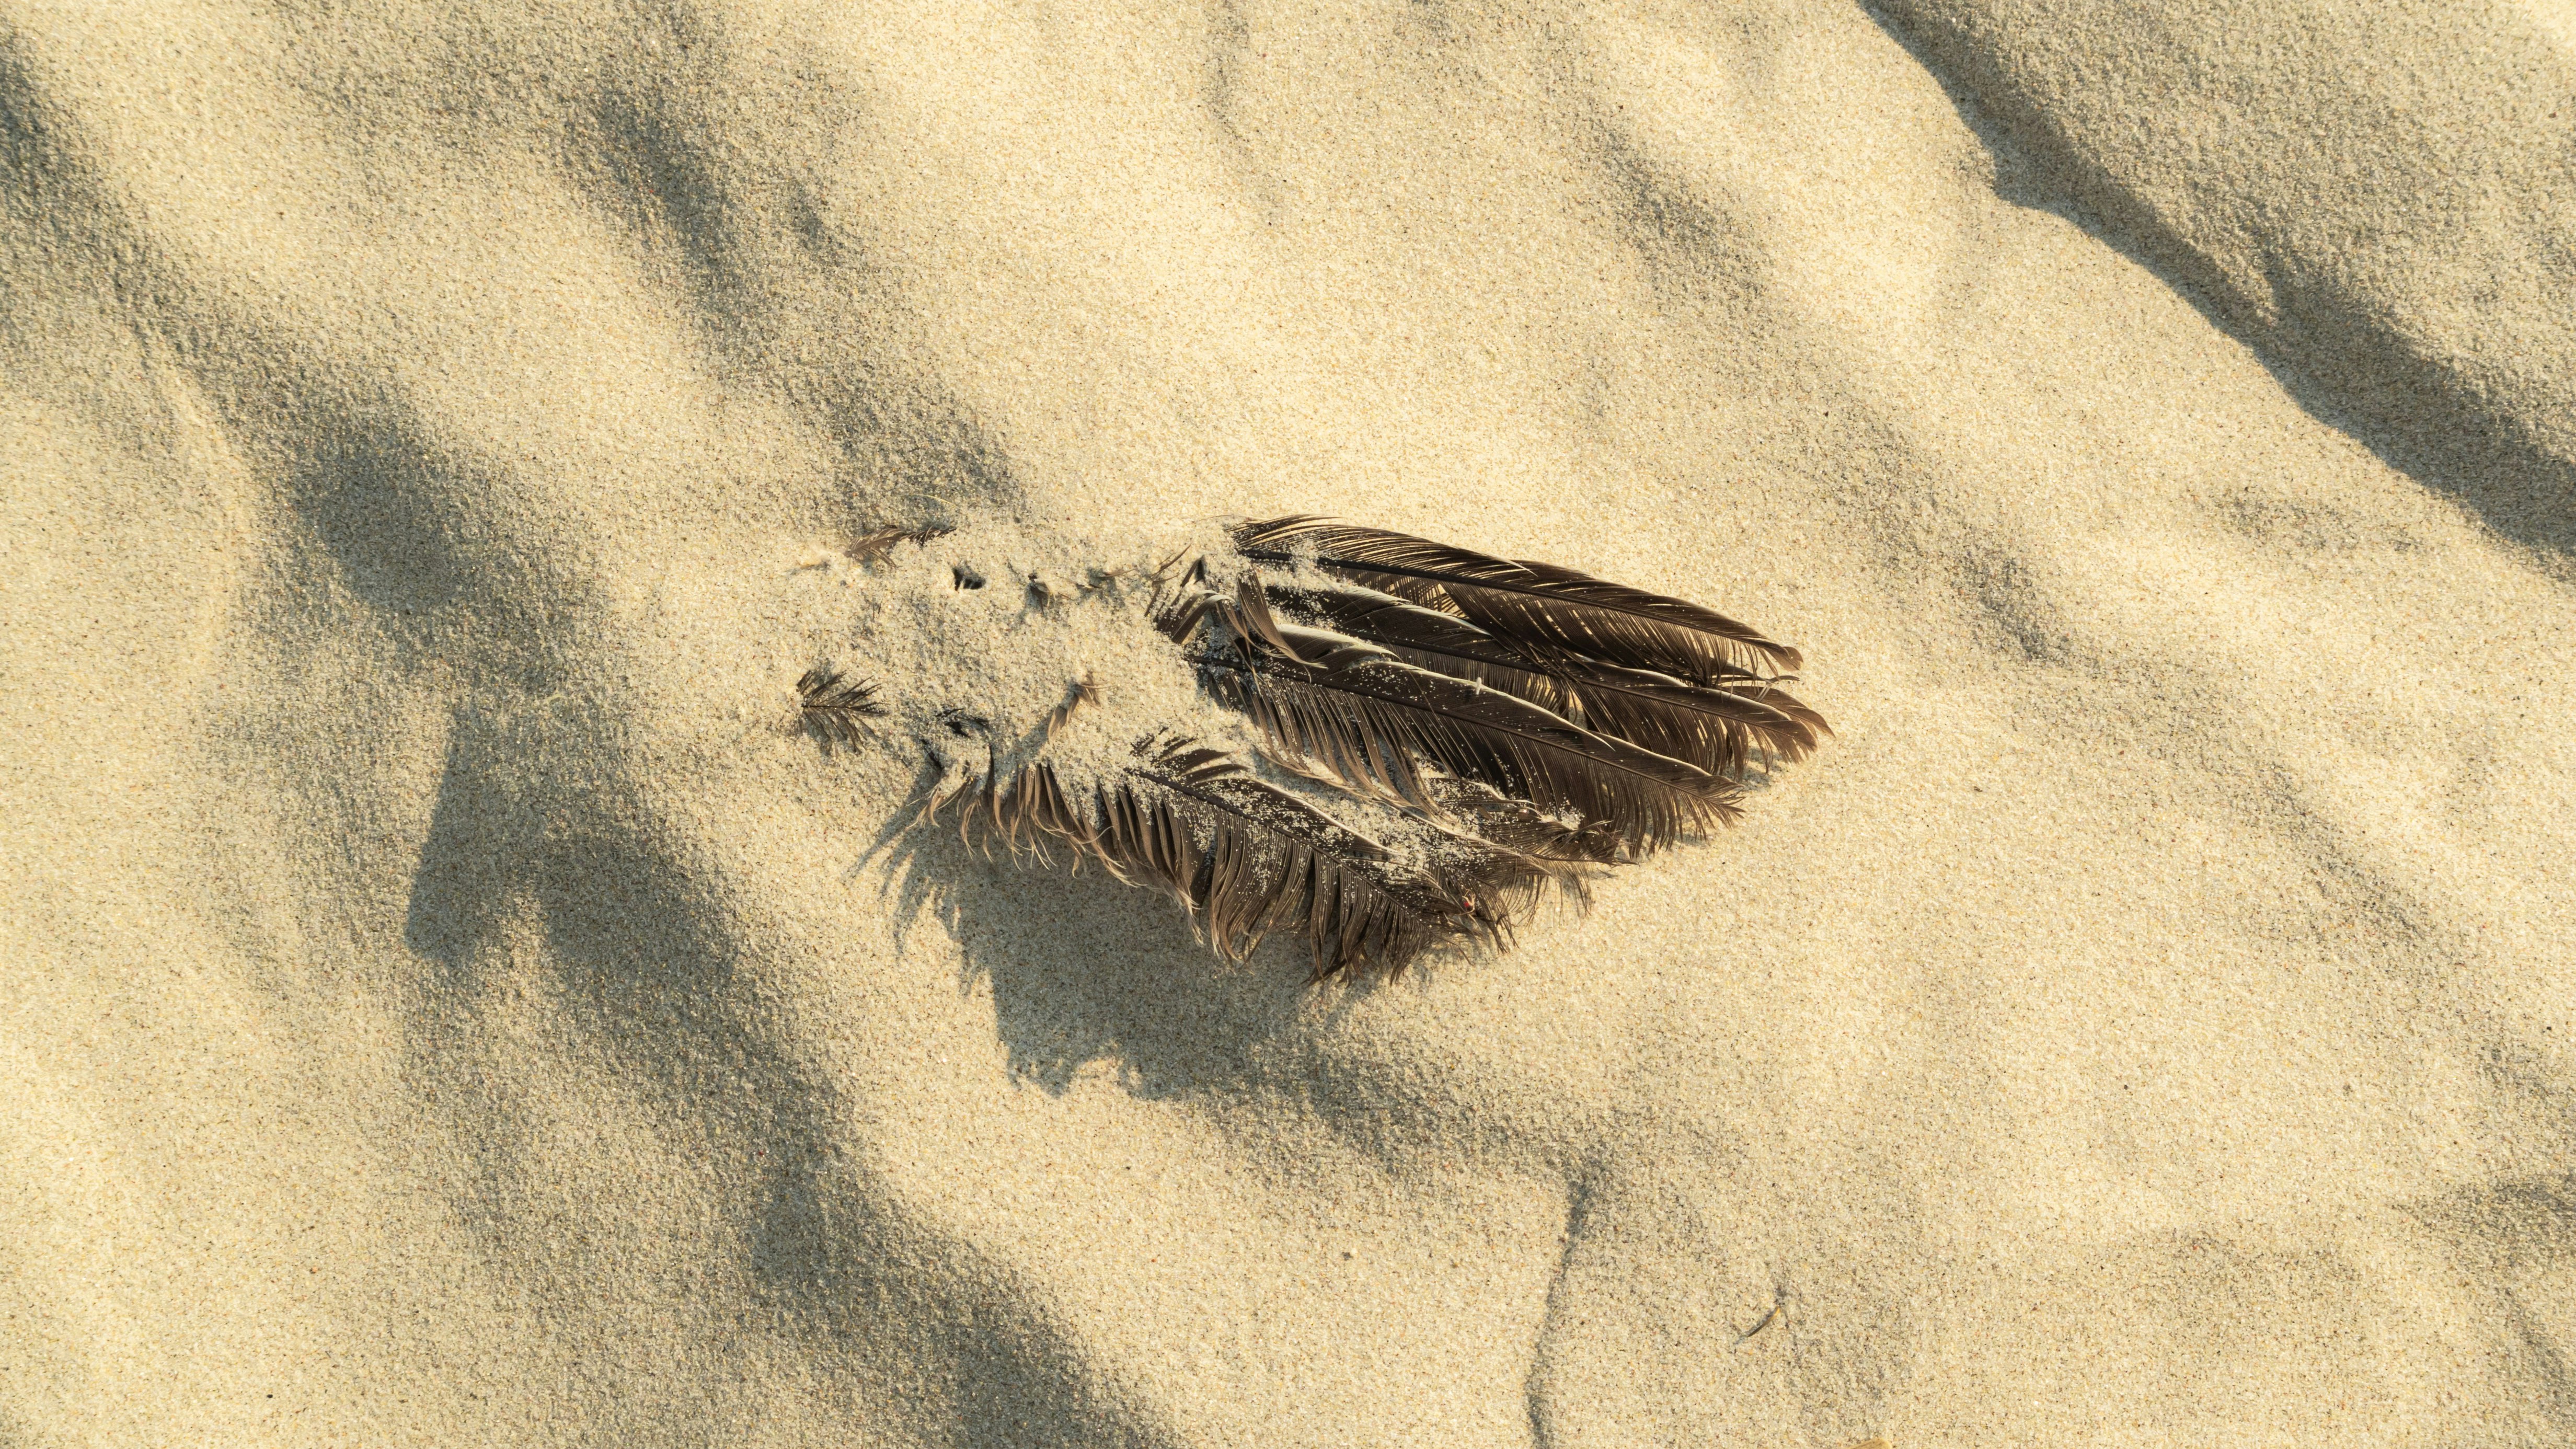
<point x="1415" y="741"/>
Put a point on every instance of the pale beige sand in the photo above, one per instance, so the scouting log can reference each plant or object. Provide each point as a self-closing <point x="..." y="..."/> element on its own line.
<point x="449" y="1004"/>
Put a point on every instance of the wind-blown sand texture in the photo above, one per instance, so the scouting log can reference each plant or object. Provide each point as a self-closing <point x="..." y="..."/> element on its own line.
<point x="451" y="1002"/>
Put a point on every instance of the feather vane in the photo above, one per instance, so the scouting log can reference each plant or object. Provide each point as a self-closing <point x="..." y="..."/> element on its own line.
<point x="1372" y="720"/>
<point x="1717" y="728"/>
<point x="1538" y="605"/>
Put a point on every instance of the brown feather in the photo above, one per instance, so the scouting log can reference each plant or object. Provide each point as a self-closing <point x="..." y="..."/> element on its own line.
<point x="1374" y="720"/>
<point x="1532" y="604"/>
<point x="1716" y="727"/>
<point x="1247" y="859"/>
<point x="834" y="704"/>
<point x="873" y="545"/>
<point x="1506" y="726"/>
<point x="1081" y="692"/>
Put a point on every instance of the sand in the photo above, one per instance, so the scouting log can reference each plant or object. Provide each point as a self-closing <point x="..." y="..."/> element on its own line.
<point x="450" y="1001"/>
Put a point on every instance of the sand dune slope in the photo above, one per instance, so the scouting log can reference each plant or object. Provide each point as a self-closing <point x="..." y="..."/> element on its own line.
<point x="452" y="1001"/>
